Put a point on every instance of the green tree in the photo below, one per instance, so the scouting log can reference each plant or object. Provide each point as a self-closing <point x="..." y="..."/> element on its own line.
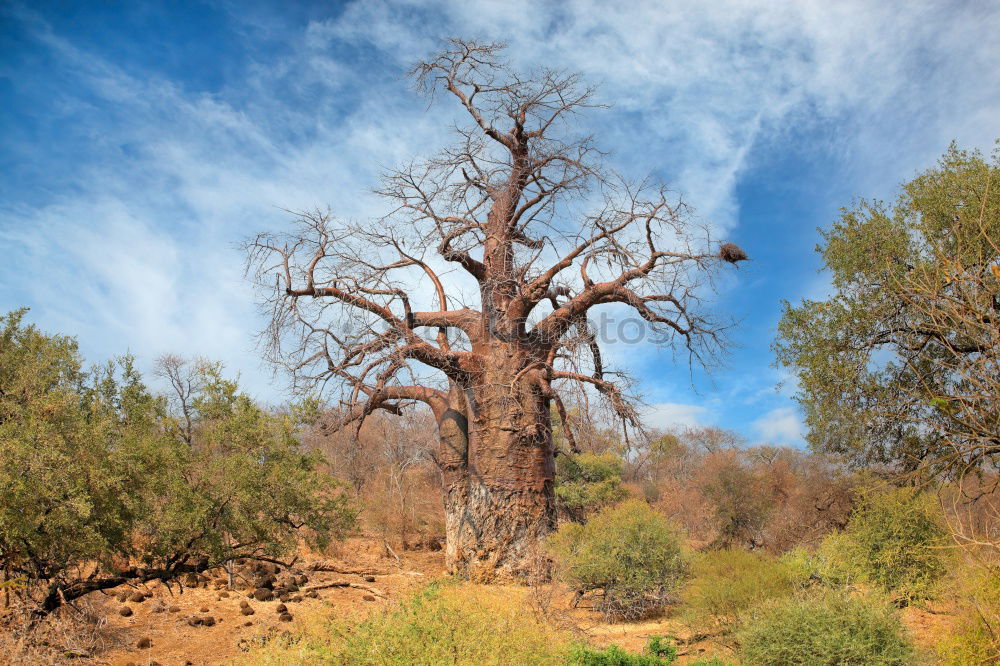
<point x="727" y="585"/>
<point x="101" y="481"/>
<point x="896" y="540"/>
<point x="740" y="500"/>
<point x="900" y="366"/>
<point x="586" y="482"/>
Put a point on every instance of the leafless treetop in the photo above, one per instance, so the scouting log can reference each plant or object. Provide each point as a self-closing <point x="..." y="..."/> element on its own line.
<point x="484" y="245"/>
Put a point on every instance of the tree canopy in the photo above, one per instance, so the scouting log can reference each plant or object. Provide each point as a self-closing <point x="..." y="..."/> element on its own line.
<point x="900" y="366"/>
<point x="102" y="481"/>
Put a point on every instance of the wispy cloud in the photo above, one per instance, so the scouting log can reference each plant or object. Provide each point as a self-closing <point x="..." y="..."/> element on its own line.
<point x="666" y="415"/>
<point x="130" y="243"/>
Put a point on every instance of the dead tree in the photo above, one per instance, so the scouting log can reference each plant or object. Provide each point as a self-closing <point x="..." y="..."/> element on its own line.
<point x="512" y="269"/>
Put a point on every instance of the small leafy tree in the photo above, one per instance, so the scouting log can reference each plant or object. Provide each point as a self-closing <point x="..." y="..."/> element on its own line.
<point x="895" y="540"/>
<point x="629" y="552"/>
<point x="740" y="501"/>
<point x="102" y="483"/>
<point x="245" y="486"/>
<point x="586" y="482"/>
<point x="901" y="365"/>
<point x="726" y="585"/>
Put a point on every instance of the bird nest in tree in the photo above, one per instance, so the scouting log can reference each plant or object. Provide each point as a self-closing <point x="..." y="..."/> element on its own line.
<point x="732" y="253"/>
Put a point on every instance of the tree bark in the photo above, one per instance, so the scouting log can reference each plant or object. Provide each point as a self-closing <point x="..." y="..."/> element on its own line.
<point x="498" y="476"/>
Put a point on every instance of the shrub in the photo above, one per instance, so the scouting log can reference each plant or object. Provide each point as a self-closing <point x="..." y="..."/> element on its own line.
<point x="457" y="625"/>
<point x="805" y="563"/>
<point x="828" y="629"/>
<point x="662" y="647"/>
<point x="894" y="540"/>
<point x="974" y="638"/>
<point x="615" y="656"/>
<point x="586" y="482"/>
<point x="659" y="651"/>
<point x="629" y="552"/>
<point x="445" y="623"/>
<point x="726" y="584"/>
<point x="449" y="623"/>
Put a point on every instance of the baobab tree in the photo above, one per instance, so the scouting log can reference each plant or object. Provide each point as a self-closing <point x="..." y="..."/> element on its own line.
<point x="492" y="226"/>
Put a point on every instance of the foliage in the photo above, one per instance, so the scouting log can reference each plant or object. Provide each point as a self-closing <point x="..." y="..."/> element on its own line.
<point x="974" y="639"/>
<point x="451" y="622"/>
<point x="658" y="652"/>
<point x="760" y="497"/>
<point x="445" y="623"/>
<point x="804" y="562"/>
<point x="895" y="540"/>
<point x="629" y="552"/>
<point x="828" y="629"/>
<point x="75" y="455"/>
<point x="586" y="482"/>
<point x="662" y="647"/>
<point x="727" y="584"/>
<point x="94" y="472"/>
<point x="740" y="501"/>
<point x="245" y="481"/>
<point x="448" y="624"/>
<point x="901" y="366"/>
<point x="611" y="656"/>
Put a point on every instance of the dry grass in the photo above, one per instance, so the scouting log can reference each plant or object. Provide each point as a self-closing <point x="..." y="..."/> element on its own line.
<point x="76" y="632"/>
<point x="447" y="622"/>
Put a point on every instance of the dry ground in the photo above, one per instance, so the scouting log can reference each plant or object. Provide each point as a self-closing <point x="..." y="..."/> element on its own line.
<point x="174" y="642"/>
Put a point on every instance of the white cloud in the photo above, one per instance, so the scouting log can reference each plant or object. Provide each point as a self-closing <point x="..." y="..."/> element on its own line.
<point x="138" y="253"/>
<point x="665" y="415"/>
<point x="782" y="425"/>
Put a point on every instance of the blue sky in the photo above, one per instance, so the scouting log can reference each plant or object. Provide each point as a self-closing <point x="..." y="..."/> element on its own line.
<point x="140" y="142"/>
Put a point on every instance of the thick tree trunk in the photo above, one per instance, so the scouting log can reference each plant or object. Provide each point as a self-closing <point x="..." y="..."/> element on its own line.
<point x="498" y="481"/>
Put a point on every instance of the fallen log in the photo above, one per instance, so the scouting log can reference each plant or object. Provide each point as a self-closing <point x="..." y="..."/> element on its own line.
<point x="344" y="583"/>
<point x="330" y="567"/>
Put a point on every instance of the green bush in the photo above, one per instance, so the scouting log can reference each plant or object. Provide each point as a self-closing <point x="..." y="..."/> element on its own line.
<point x="448" y="623"/>
<point x="629" y="552"/>
<point x="586" y="482"/>
<point x="453" y="625"/>
<point x="805" y="563"/>
<point x="726" y="584"/>
<point x="828" y="629"/>
<point x="102" y="480"/>
<point x="895" y="540"/>
<point x="445" y="623"/>
<point x="662" y="647"/>
<point x="974" y="638"/>
<point x="658" y="653"/>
